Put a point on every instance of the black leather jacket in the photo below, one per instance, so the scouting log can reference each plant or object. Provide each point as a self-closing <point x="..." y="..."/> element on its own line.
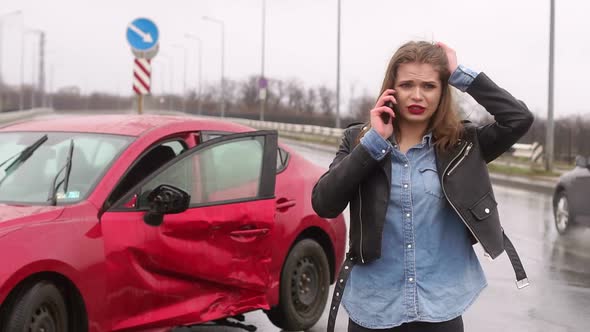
<point x="355" y="177"/>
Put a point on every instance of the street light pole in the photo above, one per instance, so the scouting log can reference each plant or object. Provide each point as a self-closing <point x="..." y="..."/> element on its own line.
<point x="550" y="123"/>
<point x="222" y="85"/>
<point x="338" y="71"/>
<point x="41" y="78"/>
<point x="200" y="77"/>
<point x="262" y="85"/>
<point x="184" y="77"/>
<point x="170" y="78"/>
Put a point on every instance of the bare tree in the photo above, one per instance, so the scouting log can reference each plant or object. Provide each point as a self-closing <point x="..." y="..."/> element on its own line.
<point x="295" y="96"/>
<point x="249" y="92"/>
<point x="327" y="100"/>
<point x="361" y="107"/>
<point x="310" y="102"/>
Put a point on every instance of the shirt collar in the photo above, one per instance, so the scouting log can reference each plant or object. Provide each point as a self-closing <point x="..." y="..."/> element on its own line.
<point x="427" y="139"/>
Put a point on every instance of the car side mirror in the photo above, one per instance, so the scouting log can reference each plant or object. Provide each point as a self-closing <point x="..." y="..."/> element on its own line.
<point x="165" y="199"/>
<point x="581" y="162"/>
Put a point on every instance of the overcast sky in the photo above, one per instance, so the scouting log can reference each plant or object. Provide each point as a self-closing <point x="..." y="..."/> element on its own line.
<point x="507" y="39"/>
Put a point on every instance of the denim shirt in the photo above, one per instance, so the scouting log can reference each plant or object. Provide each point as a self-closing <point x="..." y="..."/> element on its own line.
<point x="428" y="270"/>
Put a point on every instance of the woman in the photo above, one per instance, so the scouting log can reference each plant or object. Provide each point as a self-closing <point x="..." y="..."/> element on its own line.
<point x="420" y="195"/>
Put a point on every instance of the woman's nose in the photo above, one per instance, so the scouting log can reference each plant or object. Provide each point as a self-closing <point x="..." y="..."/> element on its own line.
<point x="417" y="94"/>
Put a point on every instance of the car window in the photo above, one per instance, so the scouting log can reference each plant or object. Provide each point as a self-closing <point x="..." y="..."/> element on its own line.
<point x="224" y="172"/>
<point x="282" y="154"/>
<point x="151" y="160"/>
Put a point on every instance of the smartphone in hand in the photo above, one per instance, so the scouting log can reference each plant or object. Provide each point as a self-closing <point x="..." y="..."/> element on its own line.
<point x="385" y="116"/>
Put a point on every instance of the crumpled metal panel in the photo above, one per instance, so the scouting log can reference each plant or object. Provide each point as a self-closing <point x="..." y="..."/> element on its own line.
<point x="203" y="264"/>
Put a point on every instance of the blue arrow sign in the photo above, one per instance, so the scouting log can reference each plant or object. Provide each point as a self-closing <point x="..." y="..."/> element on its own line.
<point x="142" y="34"/>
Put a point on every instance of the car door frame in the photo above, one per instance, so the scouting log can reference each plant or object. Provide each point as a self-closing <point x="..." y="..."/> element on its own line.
<point x="265" y="193"/>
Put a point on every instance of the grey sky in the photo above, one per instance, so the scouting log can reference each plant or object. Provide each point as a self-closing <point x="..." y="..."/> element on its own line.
<point x="507" y="39"/>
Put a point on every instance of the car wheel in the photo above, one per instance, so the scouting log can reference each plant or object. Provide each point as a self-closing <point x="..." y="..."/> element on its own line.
<point x="40" y="308"/>
<point x="304" y="287"/>
<point x="563" y="217"/>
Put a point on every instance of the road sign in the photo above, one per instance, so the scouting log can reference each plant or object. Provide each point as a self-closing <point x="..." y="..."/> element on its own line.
<point x="142" y="72"/>
<point x="142" y="34"/>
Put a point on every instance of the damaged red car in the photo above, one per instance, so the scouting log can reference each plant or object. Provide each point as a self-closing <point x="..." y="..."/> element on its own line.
<point x="147" y="222"/>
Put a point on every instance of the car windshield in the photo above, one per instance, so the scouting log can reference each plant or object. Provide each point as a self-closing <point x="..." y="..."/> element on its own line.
<point x="30" y="180"/>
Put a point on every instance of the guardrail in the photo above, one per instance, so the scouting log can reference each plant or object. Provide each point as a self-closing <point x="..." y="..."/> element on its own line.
<point x="6" y="117"/>
<point x="309" y="133"/>
<point x="533" y="152"/>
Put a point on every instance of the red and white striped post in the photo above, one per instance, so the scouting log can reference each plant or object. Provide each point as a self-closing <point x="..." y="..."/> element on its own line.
<point x="142" y="72"/>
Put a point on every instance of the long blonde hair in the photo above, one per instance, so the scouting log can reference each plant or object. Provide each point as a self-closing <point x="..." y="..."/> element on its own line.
<point x="445" y="124"/>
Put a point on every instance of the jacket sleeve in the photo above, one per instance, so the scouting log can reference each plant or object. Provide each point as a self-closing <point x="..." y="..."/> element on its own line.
<point x="512" y="117"/>
<point x="340" y="183"/>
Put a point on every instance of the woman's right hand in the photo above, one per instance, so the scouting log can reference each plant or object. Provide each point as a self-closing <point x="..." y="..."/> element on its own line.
<point x="385" y="130"/>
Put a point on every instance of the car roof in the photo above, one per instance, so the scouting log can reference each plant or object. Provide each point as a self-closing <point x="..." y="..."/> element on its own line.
<point x="119" y="124"/>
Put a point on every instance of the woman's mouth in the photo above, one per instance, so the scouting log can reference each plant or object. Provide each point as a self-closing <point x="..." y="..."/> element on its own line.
<point x="415" y="109"/>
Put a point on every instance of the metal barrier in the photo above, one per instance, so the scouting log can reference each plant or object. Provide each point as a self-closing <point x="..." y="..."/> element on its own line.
<point x="6" y="117"/>
<point x="534" y="151"/>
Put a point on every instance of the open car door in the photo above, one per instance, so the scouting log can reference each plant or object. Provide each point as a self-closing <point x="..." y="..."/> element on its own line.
<point x="207" y="260"/>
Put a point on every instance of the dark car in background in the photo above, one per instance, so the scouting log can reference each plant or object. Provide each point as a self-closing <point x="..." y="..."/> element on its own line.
<point x="570" y="200"/>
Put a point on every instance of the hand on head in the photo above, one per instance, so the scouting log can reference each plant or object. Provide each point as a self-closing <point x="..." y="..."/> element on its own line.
<point x="451" y="56"/>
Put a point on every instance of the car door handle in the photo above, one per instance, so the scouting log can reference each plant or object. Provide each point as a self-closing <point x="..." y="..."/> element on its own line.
<point x="250" y="232"/>
<point x="284" y="204"/>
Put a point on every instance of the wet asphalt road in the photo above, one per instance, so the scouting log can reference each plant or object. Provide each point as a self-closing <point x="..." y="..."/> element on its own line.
<point x="558" y="268"/>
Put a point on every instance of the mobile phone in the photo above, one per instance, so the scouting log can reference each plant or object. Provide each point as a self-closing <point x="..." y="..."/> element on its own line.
<point x="385" y="116"/>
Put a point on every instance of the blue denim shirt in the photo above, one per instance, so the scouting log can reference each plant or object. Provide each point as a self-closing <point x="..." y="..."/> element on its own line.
<point x="428" y="270"/>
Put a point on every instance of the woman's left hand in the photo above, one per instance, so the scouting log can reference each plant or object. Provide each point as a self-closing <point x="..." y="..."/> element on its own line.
<point x="451" y="56"/>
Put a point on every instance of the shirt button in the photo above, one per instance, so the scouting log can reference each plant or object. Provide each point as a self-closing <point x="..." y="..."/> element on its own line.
<point x="487" y="210"/>
<point x="409" y="246"/>
<point x="382" y="151"/>
<point x="410" y="279"/>
<point x="405" y="185"/>
<point x="408" y="215"/>
<point x="405" y="165"/>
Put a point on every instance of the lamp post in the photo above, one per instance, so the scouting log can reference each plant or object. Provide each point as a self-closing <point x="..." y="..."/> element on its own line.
<point x="222" y="84"/>
<point x="184" y="77"/>
<point x="200" y="77"/>
<point x="262" y="85"/>
<point x="170" y="78"/>
<point x="550" y="122"/>
<point x="41" y="78"/>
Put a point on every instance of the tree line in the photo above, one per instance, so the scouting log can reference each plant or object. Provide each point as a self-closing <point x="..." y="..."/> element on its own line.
<point x="288" y="101"/>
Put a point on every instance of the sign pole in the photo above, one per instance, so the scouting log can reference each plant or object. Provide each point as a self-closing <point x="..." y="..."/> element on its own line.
<point x="139" y="104"/>
<point x="142" y="35"/>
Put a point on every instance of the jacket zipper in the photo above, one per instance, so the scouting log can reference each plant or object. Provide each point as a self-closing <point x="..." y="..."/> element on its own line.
<point x="361" y="224"/>
<point x="462" y="158"/>
<point x="450" y="203"/>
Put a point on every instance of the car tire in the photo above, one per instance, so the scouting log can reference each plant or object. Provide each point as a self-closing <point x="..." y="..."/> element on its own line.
<point x="38" y="308"/>
<point x="304" y="287"/>
<point x="562" y="213"/>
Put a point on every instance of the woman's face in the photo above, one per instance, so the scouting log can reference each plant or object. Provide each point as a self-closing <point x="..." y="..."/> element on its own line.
<point x="418" y="91"/>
